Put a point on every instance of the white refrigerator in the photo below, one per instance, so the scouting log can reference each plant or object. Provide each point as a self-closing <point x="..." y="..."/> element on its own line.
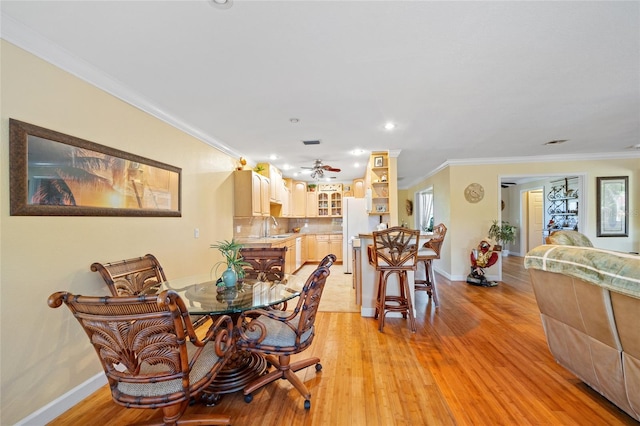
<point x="355" y="220"/>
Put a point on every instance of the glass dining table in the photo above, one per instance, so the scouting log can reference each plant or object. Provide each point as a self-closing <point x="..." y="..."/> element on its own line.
<point x="202" y="296"/>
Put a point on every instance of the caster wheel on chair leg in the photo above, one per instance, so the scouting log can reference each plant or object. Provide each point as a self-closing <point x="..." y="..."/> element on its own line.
<point x="318" y="367"/>
<point x="248" y="398"/>
<point x="307" y="404"/>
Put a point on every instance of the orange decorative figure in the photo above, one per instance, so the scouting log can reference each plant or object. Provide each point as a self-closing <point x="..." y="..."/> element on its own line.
<point x="482" y="258"/>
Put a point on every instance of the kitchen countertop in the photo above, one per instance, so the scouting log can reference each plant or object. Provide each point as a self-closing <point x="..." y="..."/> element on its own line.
<point x="276" y="239"/>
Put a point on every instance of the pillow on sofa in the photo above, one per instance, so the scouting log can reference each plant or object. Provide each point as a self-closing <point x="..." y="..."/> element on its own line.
<point x="569" y="238"/>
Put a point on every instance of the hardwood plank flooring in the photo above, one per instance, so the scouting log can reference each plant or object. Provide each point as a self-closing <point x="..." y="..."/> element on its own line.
<point x="479" y="359"/>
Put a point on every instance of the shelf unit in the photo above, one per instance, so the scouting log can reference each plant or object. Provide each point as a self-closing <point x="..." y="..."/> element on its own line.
<point x="562" y="205"/>
<point x="379" y="183"/>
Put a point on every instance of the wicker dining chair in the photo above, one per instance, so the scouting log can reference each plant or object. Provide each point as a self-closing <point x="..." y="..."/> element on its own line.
<point x="328" y="260"/>
<point x="394" y="251"/>
<point x="150" y="352"/>
<point x="429" y="252"/>
<point x="265" y="263"/>
<point x="281" y="334"/>
<point x="130" y="277"/>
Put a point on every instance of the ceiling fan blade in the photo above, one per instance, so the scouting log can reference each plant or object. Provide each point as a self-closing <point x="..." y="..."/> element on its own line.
<point x="330" y="169"/>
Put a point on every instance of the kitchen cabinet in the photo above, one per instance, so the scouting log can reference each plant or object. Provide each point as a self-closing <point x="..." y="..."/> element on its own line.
<point x="299" y="196"/>
<point x="276" y="183"/>
<point x="312" y="248"/>
<point x="328" y="243"/>
<point x="335" y="246"/>
<point x="358" y="188"/>
<point x="251" y="194"/>
<point x="312" y="204"/>
<point x="330" y="200"/>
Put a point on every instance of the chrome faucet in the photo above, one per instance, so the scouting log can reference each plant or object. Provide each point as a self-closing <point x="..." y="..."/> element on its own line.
<point x="266" y="225"/>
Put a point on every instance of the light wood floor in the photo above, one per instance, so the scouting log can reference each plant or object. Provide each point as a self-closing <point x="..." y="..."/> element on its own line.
<point x="479" y="359"/>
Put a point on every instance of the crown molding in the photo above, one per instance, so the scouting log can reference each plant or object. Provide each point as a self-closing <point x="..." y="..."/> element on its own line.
<point x="34" y="43"/>
<point x="619" y="155"/>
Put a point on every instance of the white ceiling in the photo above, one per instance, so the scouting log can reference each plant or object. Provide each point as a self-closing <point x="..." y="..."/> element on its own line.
<point x="463" y="81"/>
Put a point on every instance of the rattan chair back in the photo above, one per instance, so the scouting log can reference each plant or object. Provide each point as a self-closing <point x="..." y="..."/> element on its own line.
<point x="140" y="275"/>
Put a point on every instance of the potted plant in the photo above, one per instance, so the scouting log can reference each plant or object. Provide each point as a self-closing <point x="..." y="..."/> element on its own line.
<point x="234" y="264"/>
<point x="502" y="233"/>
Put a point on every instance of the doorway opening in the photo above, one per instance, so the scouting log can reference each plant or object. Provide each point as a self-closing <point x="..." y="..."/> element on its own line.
<point x="530" y="202"/>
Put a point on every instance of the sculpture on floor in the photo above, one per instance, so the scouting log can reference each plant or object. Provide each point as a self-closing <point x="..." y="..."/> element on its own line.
<point x="482" y="257"/>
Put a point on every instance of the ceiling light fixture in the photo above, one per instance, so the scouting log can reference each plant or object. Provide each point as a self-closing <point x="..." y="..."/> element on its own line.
<point x="294" y="120"/>
<point x="221" y="4"/>
<point x="389" y="126"/>
<point x="636" y="146"/>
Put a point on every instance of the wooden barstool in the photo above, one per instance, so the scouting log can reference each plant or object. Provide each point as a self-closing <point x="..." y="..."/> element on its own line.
<point x="394" y="252"/>
<point x="427" y="253"/>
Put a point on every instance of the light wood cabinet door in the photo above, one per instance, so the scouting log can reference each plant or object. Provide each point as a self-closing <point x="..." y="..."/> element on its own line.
<point x="312" y="204"/>
<point x="322" y="246"/>
<point x="335" y="246"/>
<point x="264" y="196"/>
<point x="358" y="188"/>
<point x="299" y="205"/>
<point x="251" y="194"/>
<point x="312" y="248"/>
<point x="335" y="199"/>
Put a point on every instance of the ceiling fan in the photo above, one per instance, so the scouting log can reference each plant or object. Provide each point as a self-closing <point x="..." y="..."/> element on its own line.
<point x="318" y="169"/>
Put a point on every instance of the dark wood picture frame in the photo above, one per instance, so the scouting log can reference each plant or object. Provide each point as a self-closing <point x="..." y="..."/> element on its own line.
<point x="612" y="200"/>
<point x="53" y="174"/>
<point x="378" y="161"/>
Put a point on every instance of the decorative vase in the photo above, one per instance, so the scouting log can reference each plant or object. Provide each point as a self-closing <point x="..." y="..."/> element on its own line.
<point x="229" y="277"/>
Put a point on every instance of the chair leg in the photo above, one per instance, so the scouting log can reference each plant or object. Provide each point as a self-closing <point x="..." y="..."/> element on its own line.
<point x="405" y="285"/>
<point x="432" y="281"/>
<point x="381" y="302"/>
<point x="284" y="369"/>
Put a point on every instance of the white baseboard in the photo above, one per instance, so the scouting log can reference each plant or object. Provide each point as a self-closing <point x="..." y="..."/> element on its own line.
<point x="65" y="402"/>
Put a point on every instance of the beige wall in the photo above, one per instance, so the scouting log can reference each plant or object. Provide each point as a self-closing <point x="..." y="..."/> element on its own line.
<point x="44" y="352"/>
<point x="468" y="223"/>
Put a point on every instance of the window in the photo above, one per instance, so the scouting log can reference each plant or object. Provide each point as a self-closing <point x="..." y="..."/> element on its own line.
<point x="424" y="210"/>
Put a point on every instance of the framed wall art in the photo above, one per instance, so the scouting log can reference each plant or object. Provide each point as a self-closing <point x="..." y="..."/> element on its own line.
<point x="612" y="200"/>
<point x="53" y="174"/>
<point x="378" y="161"/>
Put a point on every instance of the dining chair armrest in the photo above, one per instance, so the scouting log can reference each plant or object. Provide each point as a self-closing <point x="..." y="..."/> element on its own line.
<point x="221" y="331"/>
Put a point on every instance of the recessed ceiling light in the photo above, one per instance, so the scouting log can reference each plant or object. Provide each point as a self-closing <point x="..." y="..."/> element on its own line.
<point x="221" y="4"/>
<point x="636" y="146"/>
<point x="358" y="151"/>
<point x="556" y="142"/>
<point x="273" y="157"/>
<point x="356" y="164"/>
<point x="294" y="120"/>
<point x="389" y="126"/>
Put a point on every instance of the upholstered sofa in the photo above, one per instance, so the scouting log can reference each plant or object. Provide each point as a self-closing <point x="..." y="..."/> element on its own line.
<point x="589" y="301"/>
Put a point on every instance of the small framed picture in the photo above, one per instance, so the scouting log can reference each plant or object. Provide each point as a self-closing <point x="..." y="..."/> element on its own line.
<point x="381" y="208"/>
<point x="378" y="161"/>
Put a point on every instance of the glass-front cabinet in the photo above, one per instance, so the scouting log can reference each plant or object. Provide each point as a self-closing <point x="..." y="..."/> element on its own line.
<point x="330" y="200"/>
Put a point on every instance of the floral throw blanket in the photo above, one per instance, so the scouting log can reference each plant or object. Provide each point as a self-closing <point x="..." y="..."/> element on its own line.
<point x="616" y="271"/>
